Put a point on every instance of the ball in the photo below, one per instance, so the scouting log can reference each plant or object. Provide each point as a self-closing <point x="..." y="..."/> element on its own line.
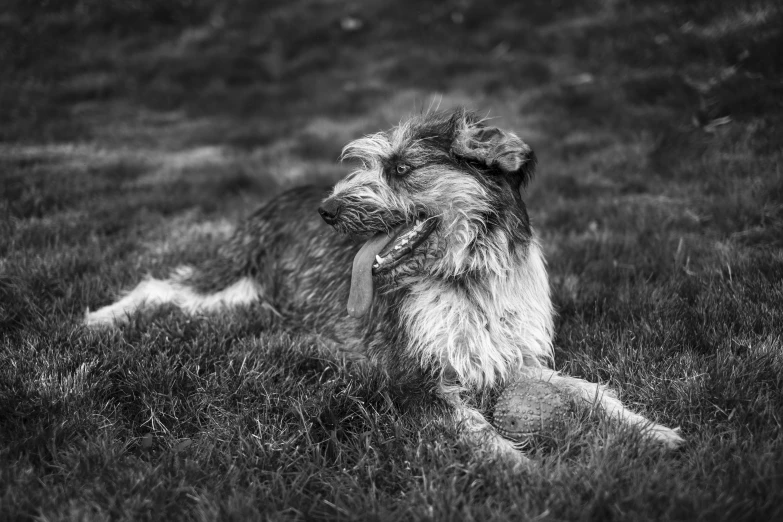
<point x="527" y="408"/>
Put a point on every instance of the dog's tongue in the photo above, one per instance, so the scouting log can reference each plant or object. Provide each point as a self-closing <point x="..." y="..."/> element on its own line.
<point x="360" y="298"/>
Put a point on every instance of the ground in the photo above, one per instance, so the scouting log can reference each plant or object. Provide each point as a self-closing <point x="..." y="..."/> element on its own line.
<point x="135" y="133"/>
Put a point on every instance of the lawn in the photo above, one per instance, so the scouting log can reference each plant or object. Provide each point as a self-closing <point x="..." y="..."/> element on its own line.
<point x="134" y="135"/>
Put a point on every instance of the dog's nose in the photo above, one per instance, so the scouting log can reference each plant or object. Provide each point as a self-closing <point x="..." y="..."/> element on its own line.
<point x="329" y="211"/>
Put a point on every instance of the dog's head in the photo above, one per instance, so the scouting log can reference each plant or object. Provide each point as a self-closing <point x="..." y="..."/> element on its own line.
<point x="444" y="187"/>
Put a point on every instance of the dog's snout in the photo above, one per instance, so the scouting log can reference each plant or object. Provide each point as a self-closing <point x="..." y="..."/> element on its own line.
<point x="329" y="211"/>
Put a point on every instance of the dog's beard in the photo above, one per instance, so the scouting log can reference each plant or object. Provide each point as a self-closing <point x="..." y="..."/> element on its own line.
<point x="379" y="254"/>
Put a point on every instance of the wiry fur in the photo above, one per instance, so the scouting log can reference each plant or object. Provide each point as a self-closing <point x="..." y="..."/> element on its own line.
<point x="469" y="308"/>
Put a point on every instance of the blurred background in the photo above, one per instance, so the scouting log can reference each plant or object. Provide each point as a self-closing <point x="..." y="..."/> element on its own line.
<point x="297" y="79"/>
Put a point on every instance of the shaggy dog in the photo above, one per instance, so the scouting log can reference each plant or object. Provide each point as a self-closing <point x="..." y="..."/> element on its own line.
<point x="448" y="282"/>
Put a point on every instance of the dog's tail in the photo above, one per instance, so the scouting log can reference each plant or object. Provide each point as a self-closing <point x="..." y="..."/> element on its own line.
<point x="601" y="396"/>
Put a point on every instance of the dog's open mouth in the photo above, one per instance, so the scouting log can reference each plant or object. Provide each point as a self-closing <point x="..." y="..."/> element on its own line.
<point x="381" y="253"/>
<point x="405" y="239"/>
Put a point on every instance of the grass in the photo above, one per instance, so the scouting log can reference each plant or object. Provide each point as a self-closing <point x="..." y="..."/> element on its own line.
<point x="135" y="133"/>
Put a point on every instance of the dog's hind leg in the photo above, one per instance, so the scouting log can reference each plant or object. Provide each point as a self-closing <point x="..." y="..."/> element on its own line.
<point x="176" y="290"/>
<point x="600" y="395"/>
<point x="476" y="430"/>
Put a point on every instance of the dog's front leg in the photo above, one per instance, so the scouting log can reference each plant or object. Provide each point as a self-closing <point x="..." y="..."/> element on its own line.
<point x="605" y="399"/>
<point x="479" y="433"/>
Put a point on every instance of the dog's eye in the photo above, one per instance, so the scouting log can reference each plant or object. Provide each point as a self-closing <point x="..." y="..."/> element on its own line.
<point x="403" y="169"/>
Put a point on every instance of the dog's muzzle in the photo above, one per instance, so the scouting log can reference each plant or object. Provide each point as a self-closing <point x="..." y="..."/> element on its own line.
<point x="379" y="253"/>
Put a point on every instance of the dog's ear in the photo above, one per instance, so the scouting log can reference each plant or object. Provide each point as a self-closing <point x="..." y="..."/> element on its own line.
<point x="496" y="149"/>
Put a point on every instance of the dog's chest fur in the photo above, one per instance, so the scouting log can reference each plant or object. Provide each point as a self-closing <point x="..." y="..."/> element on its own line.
<point x="479" y="330"/>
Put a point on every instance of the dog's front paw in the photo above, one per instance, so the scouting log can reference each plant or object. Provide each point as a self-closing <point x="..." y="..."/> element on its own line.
<point x="518" y="461"/>
<point x="504" y="452"/>
<point x="668" y="437"/>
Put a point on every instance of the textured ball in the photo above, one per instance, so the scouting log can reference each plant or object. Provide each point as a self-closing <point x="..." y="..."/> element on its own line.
<point x="530" y="407"/>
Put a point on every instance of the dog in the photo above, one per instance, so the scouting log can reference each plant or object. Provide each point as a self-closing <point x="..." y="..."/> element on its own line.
<point x="448" y="279"/>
